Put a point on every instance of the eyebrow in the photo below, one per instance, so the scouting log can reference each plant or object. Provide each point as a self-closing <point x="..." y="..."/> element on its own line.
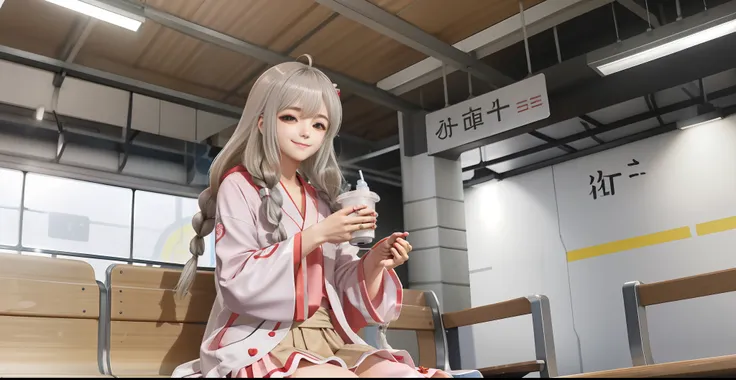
<point x="318" y="115"/>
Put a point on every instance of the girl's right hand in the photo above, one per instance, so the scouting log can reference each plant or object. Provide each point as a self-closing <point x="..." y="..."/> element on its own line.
<point x="338" y="227"/>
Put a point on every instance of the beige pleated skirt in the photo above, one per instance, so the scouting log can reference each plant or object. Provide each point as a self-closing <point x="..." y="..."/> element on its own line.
<point x="316" y="341"/>
<point x="317" y="337"/>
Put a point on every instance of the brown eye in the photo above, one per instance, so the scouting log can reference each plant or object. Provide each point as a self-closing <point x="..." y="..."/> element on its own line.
<point x="320" y="126"/>
<point x="287" y="118"/>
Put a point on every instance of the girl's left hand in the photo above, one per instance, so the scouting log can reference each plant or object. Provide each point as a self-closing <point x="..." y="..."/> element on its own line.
<point x="393" y="251"/>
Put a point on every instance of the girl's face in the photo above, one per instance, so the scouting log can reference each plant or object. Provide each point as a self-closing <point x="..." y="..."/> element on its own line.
<point x="300" y="137"/>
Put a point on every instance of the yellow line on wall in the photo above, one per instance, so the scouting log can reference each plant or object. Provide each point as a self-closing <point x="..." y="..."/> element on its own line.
<point x="631" y="243"/>
<point x="714" y="226"/>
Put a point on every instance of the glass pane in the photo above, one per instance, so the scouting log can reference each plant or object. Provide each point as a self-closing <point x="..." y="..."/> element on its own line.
<point x="75" y="216"/>
<point x="10" y="198"/>
<point x="40" y="254"/>
<point x="162" y="229"/>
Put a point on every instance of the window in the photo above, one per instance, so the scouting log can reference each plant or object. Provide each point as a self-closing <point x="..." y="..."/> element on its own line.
<point x="162" y="229"/>
<point x="10" y="198"/>
<point x="75" y="216"/>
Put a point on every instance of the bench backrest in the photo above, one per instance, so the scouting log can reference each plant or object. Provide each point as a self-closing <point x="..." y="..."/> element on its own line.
<point x="637" y="296"/>
<point x="49" y="316"/>
<point x="152" y="331"/>
<point x="420" y="313"/>
<point x="536" y="305"/>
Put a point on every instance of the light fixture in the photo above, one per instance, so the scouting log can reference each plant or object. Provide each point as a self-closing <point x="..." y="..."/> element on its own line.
<point x="1" y="3"/>
<point x="666" y="40"/>
<point x="707" y="113"/>
<point x="103" y="11"/>
<point x="39" y="113"/>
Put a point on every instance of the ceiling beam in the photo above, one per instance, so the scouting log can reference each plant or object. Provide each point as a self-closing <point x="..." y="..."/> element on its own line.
<point x="592" y="133"/>
<point x="354" y="173"/>
<point x="641" y="12"/>
<point x="289" y="50"/>
<point x="388" y="141"/>
<point x="352" y="139"/>
<point x="117" y="81"/>
<point x="370" y="155"/>
<point x="581" y="153"/>
<point x="374" y="172"/>
<point x="490" y="40"/>
<point x="390" y="25"/>
<point x="76" y="39"/>
<point x="663" y="128"/>
<point x="346" y="83"/>
<point x="551" y="140"/>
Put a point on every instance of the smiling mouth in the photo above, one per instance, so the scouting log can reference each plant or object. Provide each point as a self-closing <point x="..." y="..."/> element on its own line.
<point x="300" y="144"/>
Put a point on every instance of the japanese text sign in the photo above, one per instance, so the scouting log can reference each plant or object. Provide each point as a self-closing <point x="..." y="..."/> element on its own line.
<point x="489" y="114"/>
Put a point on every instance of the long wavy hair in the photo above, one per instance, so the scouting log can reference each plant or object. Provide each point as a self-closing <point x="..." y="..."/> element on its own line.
<point x="286" y="85"/>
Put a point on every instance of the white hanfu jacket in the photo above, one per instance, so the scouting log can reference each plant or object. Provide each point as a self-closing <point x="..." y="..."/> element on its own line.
<point x="258" y="290"/>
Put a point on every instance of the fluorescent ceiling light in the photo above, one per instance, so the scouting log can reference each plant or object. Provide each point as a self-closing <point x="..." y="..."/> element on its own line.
<point x="104" y="12"/>
<point x="667" y="40"/>
<point x="709" y="120"/>
<point x="40" y="111"/>
<point x="707" y="113"/>
<point x="668" y="48"/>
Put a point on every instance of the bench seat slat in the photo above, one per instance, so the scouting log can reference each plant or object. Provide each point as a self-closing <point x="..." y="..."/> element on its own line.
<point x="160" y="305"/>
<point x="151" y="330"/>
<point x="145" y="348"/>
<point x="49" y="299"/>
<point x="49" y="317"/>
<point x="716" y="366"/>
<point x="48" y="346"/>
<point x="515" y="370"/>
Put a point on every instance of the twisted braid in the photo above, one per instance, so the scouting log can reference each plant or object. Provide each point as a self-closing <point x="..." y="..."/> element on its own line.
<point x="203" y="223"/>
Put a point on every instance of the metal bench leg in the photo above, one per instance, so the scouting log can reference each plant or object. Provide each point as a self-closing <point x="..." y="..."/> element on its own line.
<point x="453" y="348"/>
<point x="543" y="338"/>
<point x="102" y="331"/>
<point x="636" y="325"/>
<point x="439" y="332"/>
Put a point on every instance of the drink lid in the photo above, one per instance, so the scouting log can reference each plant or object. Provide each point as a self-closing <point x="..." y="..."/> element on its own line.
<point x="368" y="195"/>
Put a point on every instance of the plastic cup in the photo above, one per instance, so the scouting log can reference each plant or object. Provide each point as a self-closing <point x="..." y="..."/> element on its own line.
<point x="358" y="198"/>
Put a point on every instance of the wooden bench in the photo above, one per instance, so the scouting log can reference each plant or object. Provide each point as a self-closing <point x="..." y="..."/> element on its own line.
<point x="49" y="317"/>
<point x="438" y="340"/>
<point x="637" y="296"/>
<point x="150" y="330"/>
<point x="57" y="320"/>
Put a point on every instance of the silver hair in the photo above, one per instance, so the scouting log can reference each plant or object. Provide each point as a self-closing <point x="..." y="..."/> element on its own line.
<point x="286" y="85"/>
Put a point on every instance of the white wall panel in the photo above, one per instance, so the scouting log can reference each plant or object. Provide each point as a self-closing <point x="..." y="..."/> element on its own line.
<point x="25" y="86"/>
<point x="209" y="124"/>
<point x="177" y="121"/>
<point x="91" y="101"/>
<point x="540" y="233"/>
<point x="146" y="116"/>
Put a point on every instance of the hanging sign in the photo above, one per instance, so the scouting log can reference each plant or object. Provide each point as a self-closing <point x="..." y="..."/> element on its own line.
<point x="489" y="114"/>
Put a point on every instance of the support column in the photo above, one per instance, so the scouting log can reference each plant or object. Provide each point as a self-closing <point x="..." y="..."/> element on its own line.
<point x="434" y="216"/>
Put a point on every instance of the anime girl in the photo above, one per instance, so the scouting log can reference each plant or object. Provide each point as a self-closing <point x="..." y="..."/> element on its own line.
<point x="291" y="292"/>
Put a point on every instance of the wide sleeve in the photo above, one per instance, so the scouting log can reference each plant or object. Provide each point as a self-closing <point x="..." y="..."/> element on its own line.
<point x="253" y="280"/>
<point x="351" y="286"/>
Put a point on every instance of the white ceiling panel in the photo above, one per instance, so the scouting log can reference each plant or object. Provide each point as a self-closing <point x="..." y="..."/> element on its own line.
<point x="512" y="145"/>
<point x="526" y="160"/>
<point x="563" y="129"/>
<point x="620" y="111"/>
